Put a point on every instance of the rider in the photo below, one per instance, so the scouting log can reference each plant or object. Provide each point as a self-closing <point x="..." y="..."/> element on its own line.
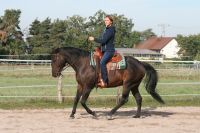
<point x="107" y="47"/>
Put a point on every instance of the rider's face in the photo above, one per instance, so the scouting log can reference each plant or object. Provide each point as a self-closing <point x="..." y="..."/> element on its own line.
<point x="107" y="22"/>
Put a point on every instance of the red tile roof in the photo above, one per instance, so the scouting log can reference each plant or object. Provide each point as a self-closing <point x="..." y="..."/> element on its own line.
<point x="154" y="43"/>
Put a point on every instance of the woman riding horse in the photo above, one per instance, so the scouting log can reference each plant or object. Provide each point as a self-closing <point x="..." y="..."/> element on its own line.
<point x="130" y="78"/>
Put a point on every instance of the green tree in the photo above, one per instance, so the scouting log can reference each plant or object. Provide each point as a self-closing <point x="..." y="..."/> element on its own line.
<point x="76" y="32"/>
<point x="58" y="34"/>
<point x="39" y="37"/>
<point x="9" y="23"/>
<point x="146" y="34"/>
<point x="35" y="27"/>
<point x="123" y="27"/>
<point x="189" y="46"/>
<point x="134" y="39"/>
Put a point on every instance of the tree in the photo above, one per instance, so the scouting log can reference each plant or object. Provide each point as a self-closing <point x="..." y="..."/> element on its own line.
<point x="40" y="36"/>
<point x="35" y="27"/>
<point x="58" y="34"/>
<point x="75" y="31"/>
<point x="46" y="35"/>
<point x="146" y="34"/>
<point x="123" y="27"/>
<point x="189" y="46"/>
<point x="9" y="23"/>
<point x="134" y="39"/>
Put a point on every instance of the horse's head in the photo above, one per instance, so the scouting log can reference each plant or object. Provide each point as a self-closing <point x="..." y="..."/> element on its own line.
<point x="57" y="62"/>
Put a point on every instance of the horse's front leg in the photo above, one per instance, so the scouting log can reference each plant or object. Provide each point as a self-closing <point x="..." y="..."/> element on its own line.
<point x="76" y="100"/>
<point x="84" y="98"/>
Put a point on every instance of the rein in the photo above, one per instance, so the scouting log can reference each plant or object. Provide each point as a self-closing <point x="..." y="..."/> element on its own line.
<point x="89" y="48"/>
<point x="65" y="67"/>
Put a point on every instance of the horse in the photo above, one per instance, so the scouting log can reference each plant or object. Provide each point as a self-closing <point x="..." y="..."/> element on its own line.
<point x="130" y="78"/>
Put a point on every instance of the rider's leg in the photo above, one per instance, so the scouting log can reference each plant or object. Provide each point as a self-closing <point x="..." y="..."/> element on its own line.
<point x="106" y="57"/>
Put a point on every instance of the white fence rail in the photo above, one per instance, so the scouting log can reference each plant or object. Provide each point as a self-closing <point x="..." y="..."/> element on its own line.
<point x="26" y="61"/>
<point x="49" y="61"/>
<point x="74" y="85"/>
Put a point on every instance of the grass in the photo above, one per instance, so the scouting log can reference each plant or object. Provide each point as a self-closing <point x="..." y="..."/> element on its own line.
<point x="10" y="78"/>
<point x="110" y="102"/>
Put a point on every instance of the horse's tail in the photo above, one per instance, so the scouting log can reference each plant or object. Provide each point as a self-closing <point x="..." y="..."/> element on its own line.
<point x="151" y="82"/>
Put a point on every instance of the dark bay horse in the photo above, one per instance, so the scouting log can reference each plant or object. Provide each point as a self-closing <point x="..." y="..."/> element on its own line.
<point x="130" y="78"/>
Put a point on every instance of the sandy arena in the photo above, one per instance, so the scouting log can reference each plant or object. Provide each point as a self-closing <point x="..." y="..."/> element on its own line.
<point x="153" y="120"/>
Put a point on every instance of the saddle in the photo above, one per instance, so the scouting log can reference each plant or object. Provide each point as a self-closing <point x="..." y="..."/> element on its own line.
<point x="116" y="58"/>
<point x="113" y="64"/>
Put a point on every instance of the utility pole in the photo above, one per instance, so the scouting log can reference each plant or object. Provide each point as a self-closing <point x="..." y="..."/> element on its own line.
<point x="163" y="28"/>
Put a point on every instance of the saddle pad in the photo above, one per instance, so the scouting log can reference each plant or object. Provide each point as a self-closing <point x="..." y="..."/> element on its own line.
<point x="119" y="65"/>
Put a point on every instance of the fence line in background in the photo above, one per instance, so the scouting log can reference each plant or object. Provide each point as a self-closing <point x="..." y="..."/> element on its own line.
<point x="74" y="85"/>
<point x="27" y="61"/>
<point x="49" y="61"/>
<point x="94" y="96"/>
<point x="59" y="84"/>
<point x="25" y="55"/>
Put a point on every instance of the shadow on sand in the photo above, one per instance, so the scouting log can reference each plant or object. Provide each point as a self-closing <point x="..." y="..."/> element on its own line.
<point x="146" y="112"/>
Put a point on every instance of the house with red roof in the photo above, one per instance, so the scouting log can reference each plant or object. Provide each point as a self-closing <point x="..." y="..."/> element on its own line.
<point x="167" y="46"/>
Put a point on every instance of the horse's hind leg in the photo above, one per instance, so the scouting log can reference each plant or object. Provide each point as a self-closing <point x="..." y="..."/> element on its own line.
<point x="76" y="99"/>
<point x="138" y="99"/>
<point x="84" y="98"/>
<point x="123" y="100"/>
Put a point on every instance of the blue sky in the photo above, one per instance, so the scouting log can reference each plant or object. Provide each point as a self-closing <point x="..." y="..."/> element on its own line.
<point x="179" y="16"/>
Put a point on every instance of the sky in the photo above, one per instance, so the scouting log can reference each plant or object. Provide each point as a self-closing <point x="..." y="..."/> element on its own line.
<point x="176" y="16"/>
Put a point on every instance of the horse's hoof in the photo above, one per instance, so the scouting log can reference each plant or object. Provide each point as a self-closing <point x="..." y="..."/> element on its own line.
<point x="94" y="114"/>
<point x="71" y="117"/>
<point x="95" y="117"/>
<point x="109" y="117"/>
<point x="136" y="116"/>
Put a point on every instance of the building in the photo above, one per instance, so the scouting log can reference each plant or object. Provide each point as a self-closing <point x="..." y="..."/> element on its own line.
<point x="143" y="54"/>
<point x="166" y="46"/>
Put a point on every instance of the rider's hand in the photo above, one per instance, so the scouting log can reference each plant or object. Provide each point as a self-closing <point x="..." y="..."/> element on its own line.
<point x="91" y="38"/>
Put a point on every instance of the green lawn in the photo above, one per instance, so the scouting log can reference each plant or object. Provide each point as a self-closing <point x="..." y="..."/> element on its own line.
<point x="13" y="82"/>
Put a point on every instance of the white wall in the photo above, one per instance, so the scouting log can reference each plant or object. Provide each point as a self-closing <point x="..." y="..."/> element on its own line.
<point x="171" y="49"/>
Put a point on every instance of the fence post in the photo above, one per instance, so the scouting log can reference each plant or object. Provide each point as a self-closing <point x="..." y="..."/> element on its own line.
<point x="118" y="95"/>
<point x="59" y="89"/>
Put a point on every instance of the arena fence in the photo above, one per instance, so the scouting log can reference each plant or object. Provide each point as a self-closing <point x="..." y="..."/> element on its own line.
<point x="14" y="65"/>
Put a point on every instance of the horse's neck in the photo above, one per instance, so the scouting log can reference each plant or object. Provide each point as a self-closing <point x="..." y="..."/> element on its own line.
<point x="76" y="62"/>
